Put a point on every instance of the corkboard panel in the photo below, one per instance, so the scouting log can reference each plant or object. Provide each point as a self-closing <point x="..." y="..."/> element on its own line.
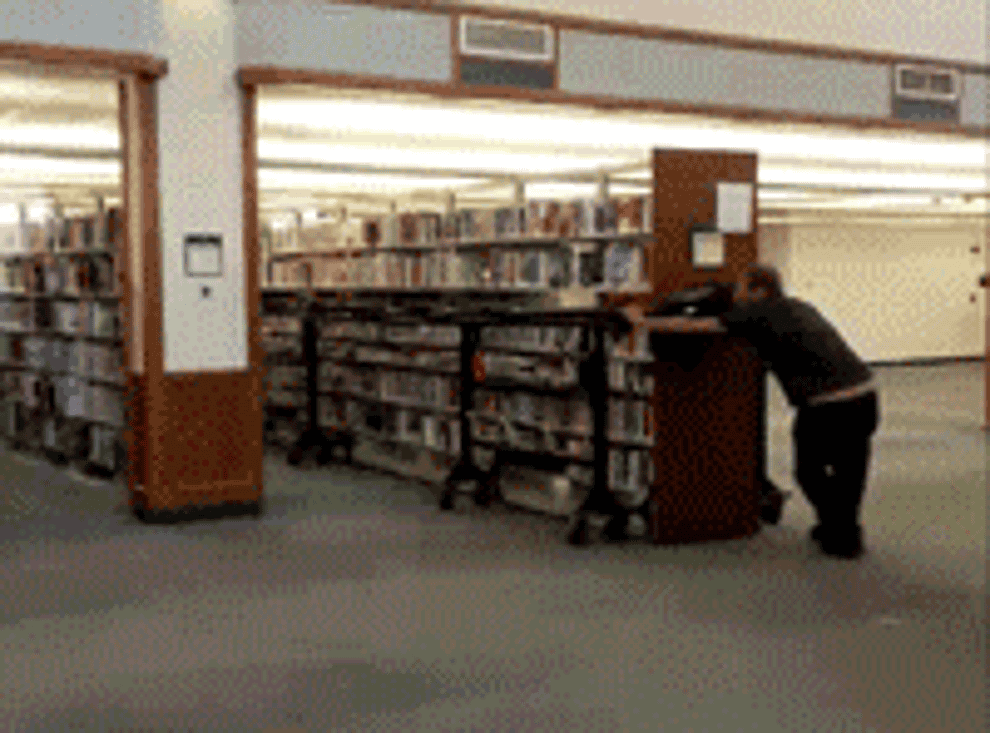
<point x="710" y="440"/>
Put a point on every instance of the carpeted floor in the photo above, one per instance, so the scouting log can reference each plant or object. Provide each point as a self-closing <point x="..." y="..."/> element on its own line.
<point x="354" y="604"/>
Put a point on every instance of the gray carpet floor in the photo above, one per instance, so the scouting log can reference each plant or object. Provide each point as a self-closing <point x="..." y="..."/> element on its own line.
<point x="354" y="604"/>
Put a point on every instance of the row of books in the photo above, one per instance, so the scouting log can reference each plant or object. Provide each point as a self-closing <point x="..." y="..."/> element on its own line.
<point x="406" y="425"/>
<point x="100" y="445"/>
<point x="418" y="334"/>
<point x="62" y="276"/>
<point x="429" y="391"/>
<point x="617" y="216"/>
<point x="86" y="359"/>
<point x="630" y="420"/>
<point x="549" y="413"/>
<point x="559" y="373"/>
<point x="69" y="396"/>
<point x="72" y="318"/>
<point x="631" y="473"/>
<point x="551" y="339"/>
<point x="620" y="267"/>
<point x="624" y="376"/>
<point x="97" y="231"/>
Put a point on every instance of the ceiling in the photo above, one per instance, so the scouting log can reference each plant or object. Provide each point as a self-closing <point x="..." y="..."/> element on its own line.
<point x="319" y="146"/>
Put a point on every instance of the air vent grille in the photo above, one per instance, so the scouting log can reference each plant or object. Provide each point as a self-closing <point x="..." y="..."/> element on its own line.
<point x="926" y="83"/>
<point x="504" y="39"/>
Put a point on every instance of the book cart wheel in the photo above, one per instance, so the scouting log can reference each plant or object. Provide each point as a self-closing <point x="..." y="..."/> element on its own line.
<point x="296" y="456"/>
<point x="580" y="535"/>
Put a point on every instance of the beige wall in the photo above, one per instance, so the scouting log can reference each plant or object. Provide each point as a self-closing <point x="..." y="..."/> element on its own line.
<point x="898" y="291"/>
<point x="951" y="29"/>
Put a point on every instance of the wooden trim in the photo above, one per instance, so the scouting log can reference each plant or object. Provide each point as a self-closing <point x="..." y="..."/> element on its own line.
<point x="252" y="261"/>
<point x="641" y="30"/>
<point x="153" y="394"/>
<point x="116" y="62"/>
<point x="455" y="49"/>
<point x="272" y="76"/>
<point x="132" y="428"/>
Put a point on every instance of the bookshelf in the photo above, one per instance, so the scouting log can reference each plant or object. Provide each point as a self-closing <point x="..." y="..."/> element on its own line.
<point x="61" y="347"/>
<point x="376" y="334"/>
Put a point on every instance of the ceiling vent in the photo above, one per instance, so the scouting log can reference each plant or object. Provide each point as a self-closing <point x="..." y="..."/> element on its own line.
<point x="925" y="83"/>
<point x="507" y="40"/>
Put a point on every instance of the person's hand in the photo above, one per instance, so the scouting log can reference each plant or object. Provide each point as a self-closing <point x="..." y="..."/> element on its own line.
<point x="634" y="313"/>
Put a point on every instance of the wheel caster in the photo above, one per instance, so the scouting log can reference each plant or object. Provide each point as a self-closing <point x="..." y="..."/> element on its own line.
<point x="616" y="530"/>
<point x="772" y="508"/>
<point x="447" y="500"/>
<point x="324" y="457"/>
<point x="580" y="535"/>
<point x="296" y="456"/>
<point x="254" y="509"/>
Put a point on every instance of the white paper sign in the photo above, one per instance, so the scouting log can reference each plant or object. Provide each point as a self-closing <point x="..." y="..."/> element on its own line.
<point x="734" y="208"/>
<point x="708" y="249"/>
<point x="203" y="256"/>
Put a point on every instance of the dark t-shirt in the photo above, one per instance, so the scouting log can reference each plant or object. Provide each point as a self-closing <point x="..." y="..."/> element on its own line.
<point x="803" y="349"/>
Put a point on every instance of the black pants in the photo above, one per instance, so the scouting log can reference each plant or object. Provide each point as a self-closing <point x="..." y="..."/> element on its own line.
<point x="832" y="456"/>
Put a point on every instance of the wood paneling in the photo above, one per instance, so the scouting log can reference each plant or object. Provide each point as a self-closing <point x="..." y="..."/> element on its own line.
<point x="74" y="57"/>
<point x="206" y="444"/>
<point x="685" y="193"/>
<point x="252" y="284"/>
<point x="709" y="400"/>
<point x="709" y="452"/>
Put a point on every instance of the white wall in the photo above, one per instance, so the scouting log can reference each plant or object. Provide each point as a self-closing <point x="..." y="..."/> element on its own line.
<point x="898" y="291"/>
<point x="201" y="184"/>
<point x="950" y="29"/>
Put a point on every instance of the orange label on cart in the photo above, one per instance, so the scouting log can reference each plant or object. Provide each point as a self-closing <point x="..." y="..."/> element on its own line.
<point x="478" y="368"/>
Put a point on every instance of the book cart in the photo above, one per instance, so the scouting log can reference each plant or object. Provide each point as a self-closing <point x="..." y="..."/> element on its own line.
<point x="61" y="348"/>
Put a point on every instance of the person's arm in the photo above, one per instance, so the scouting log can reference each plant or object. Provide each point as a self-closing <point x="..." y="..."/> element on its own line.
<point x="672" y="324"/>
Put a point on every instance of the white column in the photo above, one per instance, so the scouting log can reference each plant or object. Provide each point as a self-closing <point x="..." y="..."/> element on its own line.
<point x="201" y="185"/>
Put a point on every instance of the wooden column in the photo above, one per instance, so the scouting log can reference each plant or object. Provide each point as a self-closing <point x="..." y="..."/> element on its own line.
<point x="710" y="389"/>
<point x="985" y="283"/>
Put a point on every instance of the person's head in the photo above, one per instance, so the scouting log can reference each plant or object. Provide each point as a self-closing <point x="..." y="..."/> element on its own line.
<point x="758" y="283"/>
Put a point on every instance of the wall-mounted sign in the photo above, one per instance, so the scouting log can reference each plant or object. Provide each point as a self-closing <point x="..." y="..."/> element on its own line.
<point x="707" y="248"/>
<point x="734" y="208"/>
<point x="203" y="255"/>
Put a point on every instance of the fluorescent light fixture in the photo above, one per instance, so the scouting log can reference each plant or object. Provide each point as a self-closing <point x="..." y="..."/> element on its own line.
<point x="46" y="167"/>
<point x="478" y="159"/>
<point x="83" y="137"/>
<point x="770" y="174"/>
<point x="569" y="126"/>
<point x="383" y="184"/>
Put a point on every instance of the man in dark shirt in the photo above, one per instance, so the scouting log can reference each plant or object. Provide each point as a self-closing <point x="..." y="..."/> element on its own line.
<point x="834" y="393"/>
<point x="828" y="383"/>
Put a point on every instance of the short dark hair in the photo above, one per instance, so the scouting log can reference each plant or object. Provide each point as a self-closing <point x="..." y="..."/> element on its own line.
<point x="766" y="277"/>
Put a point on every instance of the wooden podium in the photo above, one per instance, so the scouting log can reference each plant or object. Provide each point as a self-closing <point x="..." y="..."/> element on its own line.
<point x="709" y="401"/>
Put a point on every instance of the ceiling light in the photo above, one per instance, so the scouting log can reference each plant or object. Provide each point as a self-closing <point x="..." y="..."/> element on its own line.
<point x="773" y="175"/>
<point x="356" y="183"/>
<point x="88" y="137"/>
<point x="565" y="126"/>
